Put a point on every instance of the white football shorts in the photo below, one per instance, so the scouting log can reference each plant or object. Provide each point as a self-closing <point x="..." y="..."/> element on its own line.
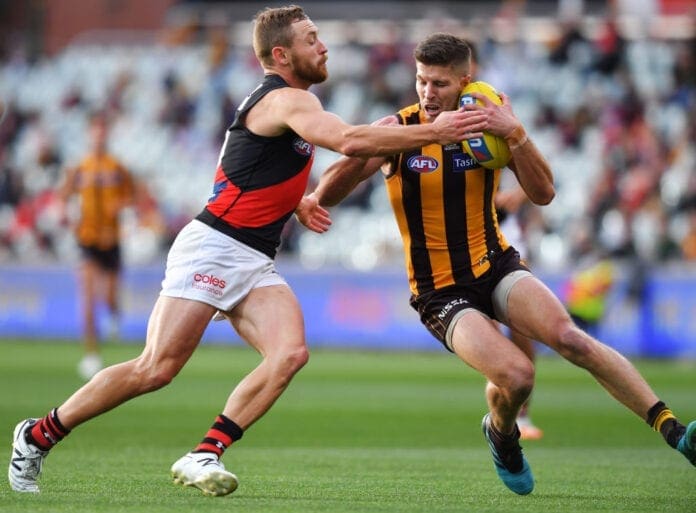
<point x="208" y="266"/>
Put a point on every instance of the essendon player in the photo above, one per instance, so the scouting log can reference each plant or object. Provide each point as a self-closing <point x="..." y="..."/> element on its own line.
<point x="222" y="262"/>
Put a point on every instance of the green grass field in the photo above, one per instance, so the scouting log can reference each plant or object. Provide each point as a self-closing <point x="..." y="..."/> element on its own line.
<point x="355" y="432"/>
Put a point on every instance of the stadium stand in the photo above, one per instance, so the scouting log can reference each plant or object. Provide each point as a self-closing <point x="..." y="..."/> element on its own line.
<point x="610" y="100"/>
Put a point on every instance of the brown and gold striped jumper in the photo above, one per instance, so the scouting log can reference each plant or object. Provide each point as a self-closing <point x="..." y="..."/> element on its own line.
<point x="443" y="203"/>
<point x="104" y="187"/>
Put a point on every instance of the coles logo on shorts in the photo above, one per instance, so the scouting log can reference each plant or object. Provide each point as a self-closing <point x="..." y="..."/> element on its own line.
<point x="209" y="283"/>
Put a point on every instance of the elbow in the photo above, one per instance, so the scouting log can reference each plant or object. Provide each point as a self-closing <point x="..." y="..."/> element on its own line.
<point x="353" y="148"/>
<point x="354" y="144"/>
<point x="545" y="196"/>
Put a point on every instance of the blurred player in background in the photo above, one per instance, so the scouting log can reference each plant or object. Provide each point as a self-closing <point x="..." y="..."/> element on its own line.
<point x="104" y="187"/>
<point x="223" y="261"/>
<point x="463" y="273"/>
<point x="586" y="293"/>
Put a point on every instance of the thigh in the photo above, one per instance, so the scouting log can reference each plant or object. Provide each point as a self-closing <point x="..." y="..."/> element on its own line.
<point x="480" y="344"/>
<point x="175" y="329"/>
<point x="534" y="310"/>
<point x="269" y="318"/>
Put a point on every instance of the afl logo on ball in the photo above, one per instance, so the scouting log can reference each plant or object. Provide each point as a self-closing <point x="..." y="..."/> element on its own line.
<point x="422" y="164"/>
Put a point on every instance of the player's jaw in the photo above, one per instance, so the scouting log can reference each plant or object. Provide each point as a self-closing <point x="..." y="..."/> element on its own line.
<point x="312" y="71"/>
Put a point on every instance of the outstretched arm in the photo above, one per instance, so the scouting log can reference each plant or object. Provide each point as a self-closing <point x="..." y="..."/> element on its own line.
<point x="302" y="112"/>
<point x="339" y="179"/>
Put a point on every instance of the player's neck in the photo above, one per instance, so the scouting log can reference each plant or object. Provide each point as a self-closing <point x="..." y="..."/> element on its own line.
<point x="290" y="78"/>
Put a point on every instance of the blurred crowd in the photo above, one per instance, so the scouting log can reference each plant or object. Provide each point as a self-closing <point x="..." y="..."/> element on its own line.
<point x="615" y="116"/>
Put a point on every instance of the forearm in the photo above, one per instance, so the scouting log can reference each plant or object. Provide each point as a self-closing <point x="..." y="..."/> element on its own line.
<point x="531" y="167"/>
<point x="339" y="179"/>
<point x="371" y="141"/>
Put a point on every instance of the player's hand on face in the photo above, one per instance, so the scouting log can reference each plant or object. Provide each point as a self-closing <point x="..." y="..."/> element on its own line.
<point x="312" y="215"/>
<point x="456" y="125"/>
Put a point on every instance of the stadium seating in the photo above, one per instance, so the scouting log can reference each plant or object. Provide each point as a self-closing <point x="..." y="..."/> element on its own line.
<point x="620" y="142"/>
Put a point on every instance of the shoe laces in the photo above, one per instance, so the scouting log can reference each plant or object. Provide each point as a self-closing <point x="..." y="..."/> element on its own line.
<point x="33" y="464"/>
<point x="29" y="463"/>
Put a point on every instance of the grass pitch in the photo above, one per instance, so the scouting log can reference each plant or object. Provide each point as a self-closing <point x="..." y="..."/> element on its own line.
<point x="355" y="432"/>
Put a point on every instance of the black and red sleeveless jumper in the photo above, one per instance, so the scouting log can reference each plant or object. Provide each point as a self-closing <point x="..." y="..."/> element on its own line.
<point x="259" y="180"/>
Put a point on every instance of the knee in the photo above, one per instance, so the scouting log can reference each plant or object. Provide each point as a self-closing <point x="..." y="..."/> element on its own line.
<point x="523" y="379"/>
<point x="152" y="376"/>
<point x="289" y="362"/>
<point x="296" y="359"/>
<point x="518" y="380"/>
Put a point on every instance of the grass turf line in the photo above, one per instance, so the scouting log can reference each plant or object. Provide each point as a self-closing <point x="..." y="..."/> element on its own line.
<point x="355" y="432"/>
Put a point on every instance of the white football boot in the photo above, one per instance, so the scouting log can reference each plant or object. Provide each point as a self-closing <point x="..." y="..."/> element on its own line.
<point x="204" y="471"/>
<point x="26" y="460"/>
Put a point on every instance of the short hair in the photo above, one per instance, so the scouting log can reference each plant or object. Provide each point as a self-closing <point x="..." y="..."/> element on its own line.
<point x="273" y="27"/>
<point x="441" y="49"/>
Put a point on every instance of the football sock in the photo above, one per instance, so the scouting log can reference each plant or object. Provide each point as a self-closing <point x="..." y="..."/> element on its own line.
<point x="507" y="447"/>
<point x="47" y="432"/>
<point x="220" y="436"/>
<point x="661" y="419"/>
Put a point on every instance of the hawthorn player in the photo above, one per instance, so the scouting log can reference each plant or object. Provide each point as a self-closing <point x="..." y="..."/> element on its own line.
<point x="463" y="273"/>
<point x="104" y="187"/>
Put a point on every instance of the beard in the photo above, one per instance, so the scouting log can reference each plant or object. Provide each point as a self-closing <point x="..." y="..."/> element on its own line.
<point x="304" y="70"/>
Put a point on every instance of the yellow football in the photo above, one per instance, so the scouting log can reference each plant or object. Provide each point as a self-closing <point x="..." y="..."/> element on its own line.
<point x="490" y="150"/>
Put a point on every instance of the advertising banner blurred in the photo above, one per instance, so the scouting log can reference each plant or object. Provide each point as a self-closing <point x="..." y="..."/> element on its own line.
<point x="348" y="309"/>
